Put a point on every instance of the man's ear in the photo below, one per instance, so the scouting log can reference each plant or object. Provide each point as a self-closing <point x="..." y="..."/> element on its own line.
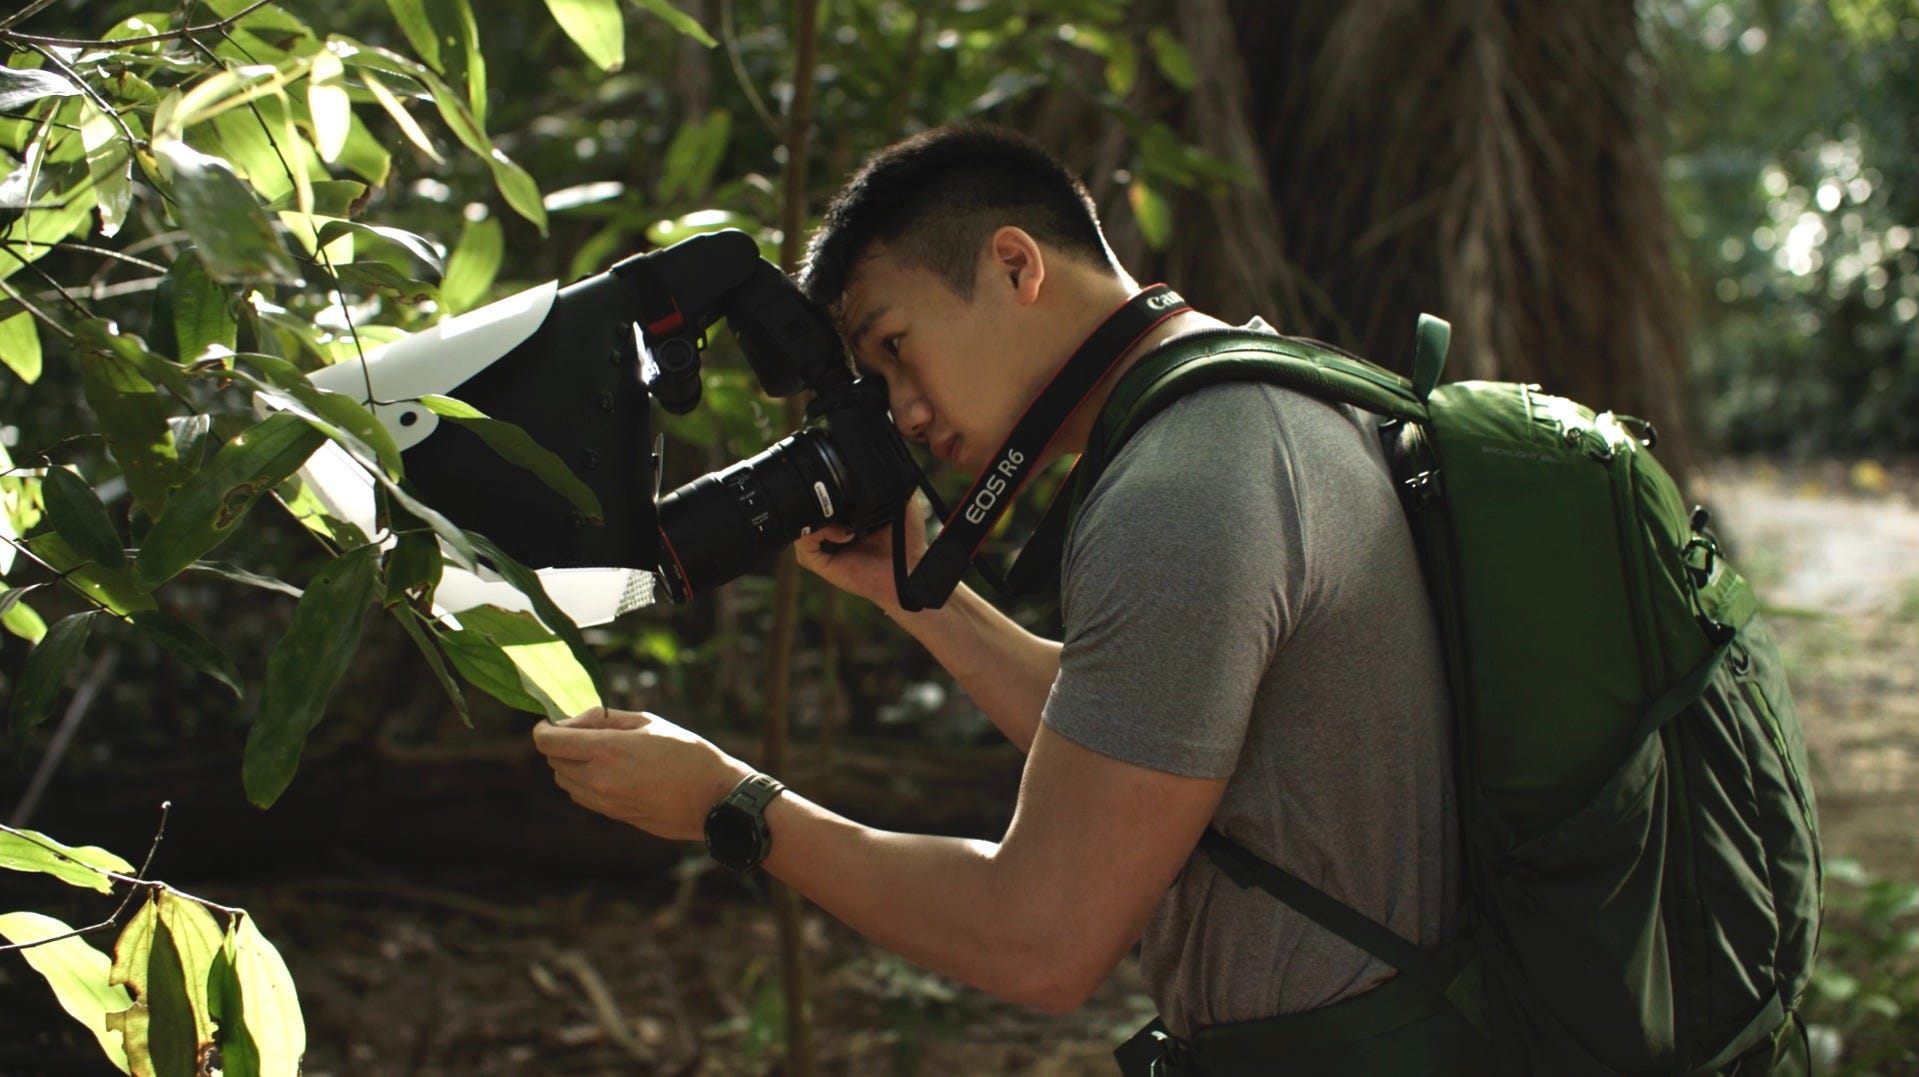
<point x="1014" y="260"/>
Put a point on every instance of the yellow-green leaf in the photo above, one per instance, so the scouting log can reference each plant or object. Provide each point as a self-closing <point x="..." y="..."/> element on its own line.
<point x="272" y="1004"/>
<point x="20" y="346"/>
<point x="80" y="976"/>
<point x="85" y="865"/>
<point x="679" y="20"/>
<point x="596" y="27"/>
<point x="328" y="102"/>
<point x="473" y="265"/>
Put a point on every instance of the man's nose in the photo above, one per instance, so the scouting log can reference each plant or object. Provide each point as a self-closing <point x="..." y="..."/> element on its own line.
<point x="911" y="414"/>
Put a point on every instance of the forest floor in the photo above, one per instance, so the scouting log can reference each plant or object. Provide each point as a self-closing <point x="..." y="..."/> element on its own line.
<point x="482" y="973"/>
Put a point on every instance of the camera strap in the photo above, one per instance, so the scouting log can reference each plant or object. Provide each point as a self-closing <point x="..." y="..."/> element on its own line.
<point x="949" y="555"/>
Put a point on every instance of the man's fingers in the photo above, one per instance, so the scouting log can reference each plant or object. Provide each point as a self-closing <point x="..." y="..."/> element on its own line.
<point x="601" y="718"/>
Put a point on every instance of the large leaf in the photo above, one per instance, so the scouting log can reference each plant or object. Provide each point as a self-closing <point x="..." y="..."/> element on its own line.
<point x="548" y="673"/>
<point x="133" y="415"/>
<point x="437" y="663"/>
<point x="272" y="1004"/>
<point x="402" y="119"/>
<point x="403" y="250"/>
<point x="517" y="447"/>
<point x="236" y="240"/>
<point x="329" y="105"/>
<point x="20" y="345"/>
<point x="113" y="589"/>
<point x="111" y="164"/>
<point x="79" y="975"/>
<point x="417" y="25"/>
<point x="29" y="850"/>
<point x="172" y="1046"/>
<point x="199" y="312"/>
<point x="190" y="647"/>
<point x="45" y="671"/>
<point x="596" y="27"/>
<point x="76" y="512"/>
<point x="204" y="511"/>
<point x="198" y="939"/>
<point x="473" y="265"/>
<point x="527" y="582"/>
<point x="303" y="667"/>
<point x="20" y="87"/>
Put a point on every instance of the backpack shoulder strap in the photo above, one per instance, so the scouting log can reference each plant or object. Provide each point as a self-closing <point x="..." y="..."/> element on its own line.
<point x="1184" y="365"/>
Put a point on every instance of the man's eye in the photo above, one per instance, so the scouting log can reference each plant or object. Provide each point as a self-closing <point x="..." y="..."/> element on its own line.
<point x="891" y="346"/>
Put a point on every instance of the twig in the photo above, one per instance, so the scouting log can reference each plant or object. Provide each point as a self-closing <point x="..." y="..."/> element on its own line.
<point x="36" y="311"/>
<point x="93" y="95"/>
<point x="602" y="1001"/>
<point x="185" y="32"/>
<point x="139" y="882"/>
<point x="739" y="70"/>
<point x="117" y="256"/>
<point x="24" y="13"/>
<point x="63" y="736"/>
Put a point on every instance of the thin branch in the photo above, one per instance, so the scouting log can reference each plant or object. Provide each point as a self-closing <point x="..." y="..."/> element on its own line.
<point x="739" y="70"/>
<point x="117" y="256"/>
<point x="185" y="32"/>
<point x="24" y="13"/>
<point x="36" y="311"/>
<point x="93" y="95"/>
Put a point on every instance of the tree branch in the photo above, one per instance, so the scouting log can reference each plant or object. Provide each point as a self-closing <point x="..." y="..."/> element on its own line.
<point x="171" y="35"/>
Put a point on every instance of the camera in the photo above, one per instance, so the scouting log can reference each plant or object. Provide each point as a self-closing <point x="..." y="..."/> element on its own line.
<point x="578" y="369"/>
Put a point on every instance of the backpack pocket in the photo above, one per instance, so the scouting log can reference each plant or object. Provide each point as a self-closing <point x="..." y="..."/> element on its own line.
<point x="1578" y="914"/>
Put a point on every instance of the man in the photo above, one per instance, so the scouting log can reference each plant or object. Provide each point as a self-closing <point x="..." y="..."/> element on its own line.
<point x="1247" y="641"/>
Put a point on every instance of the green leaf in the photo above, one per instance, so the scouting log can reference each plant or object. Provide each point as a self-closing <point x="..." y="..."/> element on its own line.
<point x="402" y="119"/>
<point x="79" y="975"/>
<point x="338" y="416"/>
<point x="204" y="311"/>
<point x="133" y="415"/>
<point x="486" y="666"/>
<point x="473" y="265"/>
<point x="22" y="621"/>
<point x="596" y="27"/>
<point x="418" y="28"/>
<point x="190" y="647"/>
<point x="205" y="510"/>
<point x="30" y="850"/>
<point x="20" y="87"/>
<point x="413" y="568"/>
<point x="197" y="938"/>
<point x="1155" y="217"/>
<point x="1171" y="57"/>
<point x="331" y="198"/>
<point x="77" y="514"/>
<point x="548" y="675"/>
<point x="190" y="436"/>
<point x="20" y="346"/>
<point x="1122" y="68"/>
<point x="112" y="588"/>
<point x="171" y="1043"/>
<point x="272" y="1005"/>
<point x="435" y="661"/>
<point x="111" y="164"/>
<point x="303" y="667"/>
<point x="517" y="447"/>
<point x="679" y="20"/>
<point x="239" y="575"/>
<point x="403" y="250"/>
<point x="235" y="239"/>
<point x="527" y="582"/>
<point x="227" y="1006"/>
<point x="45" y="670"/>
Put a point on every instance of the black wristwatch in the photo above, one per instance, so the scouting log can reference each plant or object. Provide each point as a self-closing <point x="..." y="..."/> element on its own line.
<point x="736" y="827"/>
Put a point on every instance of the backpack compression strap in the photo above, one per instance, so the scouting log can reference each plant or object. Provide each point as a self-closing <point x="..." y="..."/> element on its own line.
<point x="1181" y="366"/>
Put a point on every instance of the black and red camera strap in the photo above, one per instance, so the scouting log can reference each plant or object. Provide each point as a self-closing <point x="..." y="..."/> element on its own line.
<point x="969" y="522"/>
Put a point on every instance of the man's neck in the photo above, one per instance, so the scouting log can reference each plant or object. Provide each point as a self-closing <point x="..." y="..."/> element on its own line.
<point x="1072" y="437"/>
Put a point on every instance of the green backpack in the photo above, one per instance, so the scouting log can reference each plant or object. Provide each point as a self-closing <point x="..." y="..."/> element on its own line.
<point x="1640" y="840"/>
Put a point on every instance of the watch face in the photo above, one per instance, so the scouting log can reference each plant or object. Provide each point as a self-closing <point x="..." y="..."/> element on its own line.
<point x="733" y="837"/>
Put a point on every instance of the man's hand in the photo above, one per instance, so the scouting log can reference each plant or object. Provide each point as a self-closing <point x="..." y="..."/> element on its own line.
<point x="640" y="769"/>
<point x="865" y="568"/>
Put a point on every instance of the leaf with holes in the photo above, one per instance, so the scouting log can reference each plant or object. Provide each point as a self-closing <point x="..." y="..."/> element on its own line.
<point x="205" y="510"/>
<point x="85" y="865"/>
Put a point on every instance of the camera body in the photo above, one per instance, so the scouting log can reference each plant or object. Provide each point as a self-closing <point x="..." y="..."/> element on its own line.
<point x="578" y="369"/>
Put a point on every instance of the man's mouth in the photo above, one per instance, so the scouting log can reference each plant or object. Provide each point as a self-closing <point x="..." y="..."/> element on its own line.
<point x="947" y="448"/>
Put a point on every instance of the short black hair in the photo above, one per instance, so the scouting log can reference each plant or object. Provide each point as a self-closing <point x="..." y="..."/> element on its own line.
<point x="936" y="198"/>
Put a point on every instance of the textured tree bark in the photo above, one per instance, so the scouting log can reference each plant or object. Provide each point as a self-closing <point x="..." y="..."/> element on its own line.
<point x="1493" y="162"/>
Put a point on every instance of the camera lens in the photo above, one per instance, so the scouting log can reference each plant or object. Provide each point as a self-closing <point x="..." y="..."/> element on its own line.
<point x="721" y="524"/>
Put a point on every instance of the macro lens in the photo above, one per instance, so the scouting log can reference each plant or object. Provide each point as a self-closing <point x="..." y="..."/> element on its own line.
<point x="721" y="524"/>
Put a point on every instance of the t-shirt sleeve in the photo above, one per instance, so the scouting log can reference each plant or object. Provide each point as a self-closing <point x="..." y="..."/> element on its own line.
<point x="1182" y="577"/>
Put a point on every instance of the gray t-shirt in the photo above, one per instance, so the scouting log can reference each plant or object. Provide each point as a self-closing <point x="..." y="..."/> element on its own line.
<point x="1241" y="598"/>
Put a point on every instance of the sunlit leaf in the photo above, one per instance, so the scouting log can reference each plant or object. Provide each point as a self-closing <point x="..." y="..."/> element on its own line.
<point x="527" y="582"/>
<point x="596" y="27"/>
<point x="189" y="646"/>
<point x="1122" y="68"/>
<point x="205" y="510"/>
<point x="30" y="850"/>
<point x="272" y="1004"/>
<point x="38" y="688"/>
<point x="78" y="974"/>
<point x="236" y="240"/>
<point x="21" y="620"/>
<point x="328" y="102"/>
<point x="486" y="666"/>
<point x="20" y="346"/>
<point x="111" y="588"/>
<point x="172" y="1043"/>
<point x="331" y="198"/>
<point x="1150" y="210"/>
<point x="336" y="415"/>
<point x="204" y="311"/>
<point x="303" y="667"/>
<point x="197" y="938"/>
<point x="76" y="512"/>
<point x="132" y="964"/>
<point x="548" y="675"/>
<point x="20" y="87"/>
<point x="516" y="446"/>
<point x="403" y="250"/>
<point x="409" y="126"/>
<point x="110" y="163"/>
<point x="472" y="266"/>
<point x="679" y="20"/>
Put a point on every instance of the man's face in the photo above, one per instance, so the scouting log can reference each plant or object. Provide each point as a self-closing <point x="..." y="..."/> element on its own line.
<point x="955" y="374"/>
